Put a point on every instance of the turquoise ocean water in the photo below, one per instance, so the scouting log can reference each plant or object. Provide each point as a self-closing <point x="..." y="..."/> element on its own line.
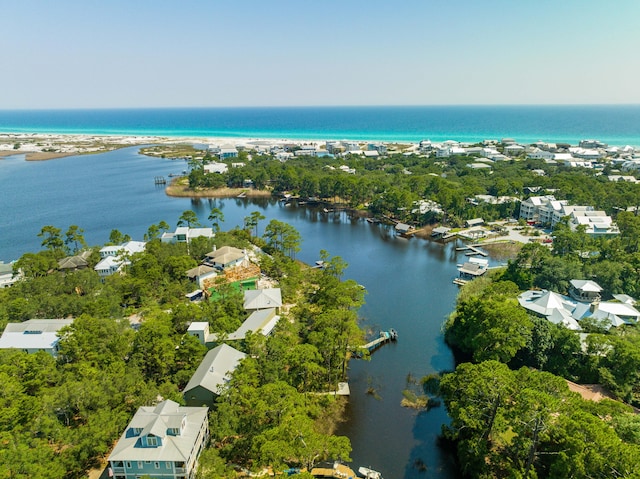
<point x="616" y="125"/>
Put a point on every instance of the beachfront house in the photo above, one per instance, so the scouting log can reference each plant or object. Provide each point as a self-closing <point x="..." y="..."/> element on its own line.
<point x="34" y="335"/>
<point x="212" y="376"/>
<point x="163" y="441"/>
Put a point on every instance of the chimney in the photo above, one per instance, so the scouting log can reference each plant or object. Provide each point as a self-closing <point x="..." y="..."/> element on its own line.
<point x="594" y="306"/>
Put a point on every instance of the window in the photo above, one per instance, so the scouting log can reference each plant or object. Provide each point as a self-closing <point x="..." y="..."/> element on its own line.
<point x="128" y="465"/>
<point x="168" y="464"/>
<point x="140" y="466"/>
<point x="156" y="465"/>
<point x="152" y="441"/>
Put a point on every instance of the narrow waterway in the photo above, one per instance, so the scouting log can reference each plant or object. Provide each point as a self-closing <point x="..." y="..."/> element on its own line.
<point x="408" y="281"/>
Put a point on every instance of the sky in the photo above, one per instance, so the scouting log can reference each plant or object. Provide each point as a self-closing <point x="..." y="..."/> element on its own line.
<point x="211" y="53"/>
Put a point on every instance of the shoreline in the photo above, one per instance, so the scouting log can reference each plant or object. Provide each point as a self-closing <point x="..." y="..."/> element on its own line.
<point x="49" y="146"/>
<point x="176" y="190"/>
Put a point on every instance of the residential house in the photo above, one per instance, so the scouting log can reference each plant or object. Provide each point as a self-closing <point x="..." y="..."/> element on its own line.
<point x="184" y="234"/>
<point x="200" y="330"/>
<point x="116" y="257"/>
<point x="257" y="299"/>
<point x="585" y="290"/>
<point x="225" y="257"/>
<point x="563" y="310"/>
<point x="34" y="335"/>
<point x="597" y="224"/>
<point x="513" y="150"/>
<point x="474" y="222"/>
<point x="215" y="167"/>
<point x="75" y="263"/>
<point x="200" y="273"/>
<point x="262" y="321"/>
<point x="212" y="376"/>
<point x="163" y="441"/>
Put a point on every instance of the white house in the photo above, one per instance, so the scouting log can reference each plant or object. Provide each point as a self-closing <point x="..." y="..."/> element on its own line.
<point x="34" y="335"/>
<point x="7" y="276"/>
<point x="184" y="234"/>
<point x="115" y="257"/>
<point x="215" y="167"/>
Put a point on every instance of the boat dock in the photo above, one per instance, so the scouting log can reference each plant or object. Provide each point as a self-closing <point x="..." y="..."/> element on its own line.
<point x="160" y="180"/>
<point x="385" y="337"/>
<point x="472" y="250"/>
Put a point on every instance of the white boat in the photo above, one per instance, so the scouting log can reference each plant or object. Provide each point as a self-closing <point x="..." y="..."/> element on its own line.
<point x="368" y="473"/>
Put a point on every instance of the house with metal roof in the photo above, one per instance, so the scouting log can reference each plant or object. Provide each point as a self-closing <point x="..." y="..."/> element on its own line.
<point x="116" y="257"/>
<point x="585" y="290"/>
<point x="263" y="299"/>
<point x="162" y="441"/>
<point x="212" y="376"/>
<point x="262" y="321"/>
<point x="34" y="335"/>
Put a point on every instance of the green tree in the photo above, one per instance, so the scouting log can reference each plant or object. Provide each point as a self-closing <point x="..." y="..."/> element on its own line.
<point x="216" y="217"/>
<point x="74" y="237"/>
<point x="188" y="218"/>
<point x="51" y="239"/>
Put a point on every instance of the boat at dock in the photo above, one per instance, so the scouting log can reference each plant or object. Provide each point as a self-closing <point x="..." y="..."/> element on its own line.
<point x="369" y="473"/>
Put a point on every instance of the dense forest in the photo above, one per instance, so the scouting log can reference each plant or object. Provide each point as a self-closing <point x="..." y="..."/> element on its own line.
<point x="127" y="347"/>
<point x="512" y="412"/>
<point x="392" y="184"/>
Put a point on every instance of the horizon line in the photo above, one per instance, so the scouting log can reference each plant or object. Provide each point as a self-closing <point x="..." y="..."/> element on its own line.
<point x="445" y="105"/>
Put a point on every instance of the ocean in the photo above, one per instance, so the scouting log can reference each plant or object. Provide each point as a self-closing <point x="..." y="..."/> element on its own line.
<point x="616" y="125"/>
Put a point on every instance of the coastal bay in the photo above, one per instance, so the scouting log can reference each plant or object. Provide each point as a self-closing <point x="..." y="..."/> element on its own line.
<point x="409" y="281"/>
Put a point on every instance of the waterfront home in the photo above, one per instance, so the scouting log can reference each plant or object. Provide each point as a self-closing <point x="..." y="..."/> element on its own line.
<point x="34" y="335"/>
<point x="257" y="299"/>
<point x="474" y="222"/>
<point x="212" y="376"/>
<point x="260" y="321"/>
<point x="184" y="234"/>
<point x="225" y="257"/>
<point x="164" y="441"/>
<point x="584" y="290"/>
<point x="402" y="228"/>
<point x="552" y="306"/>
<point x="200" y="273"/>
<point x="215" y="167"/>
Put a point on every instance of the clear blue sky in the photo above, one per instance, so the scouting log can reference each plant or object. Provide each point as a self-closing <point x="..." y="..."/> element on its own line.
<point x="159" y="53"/>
